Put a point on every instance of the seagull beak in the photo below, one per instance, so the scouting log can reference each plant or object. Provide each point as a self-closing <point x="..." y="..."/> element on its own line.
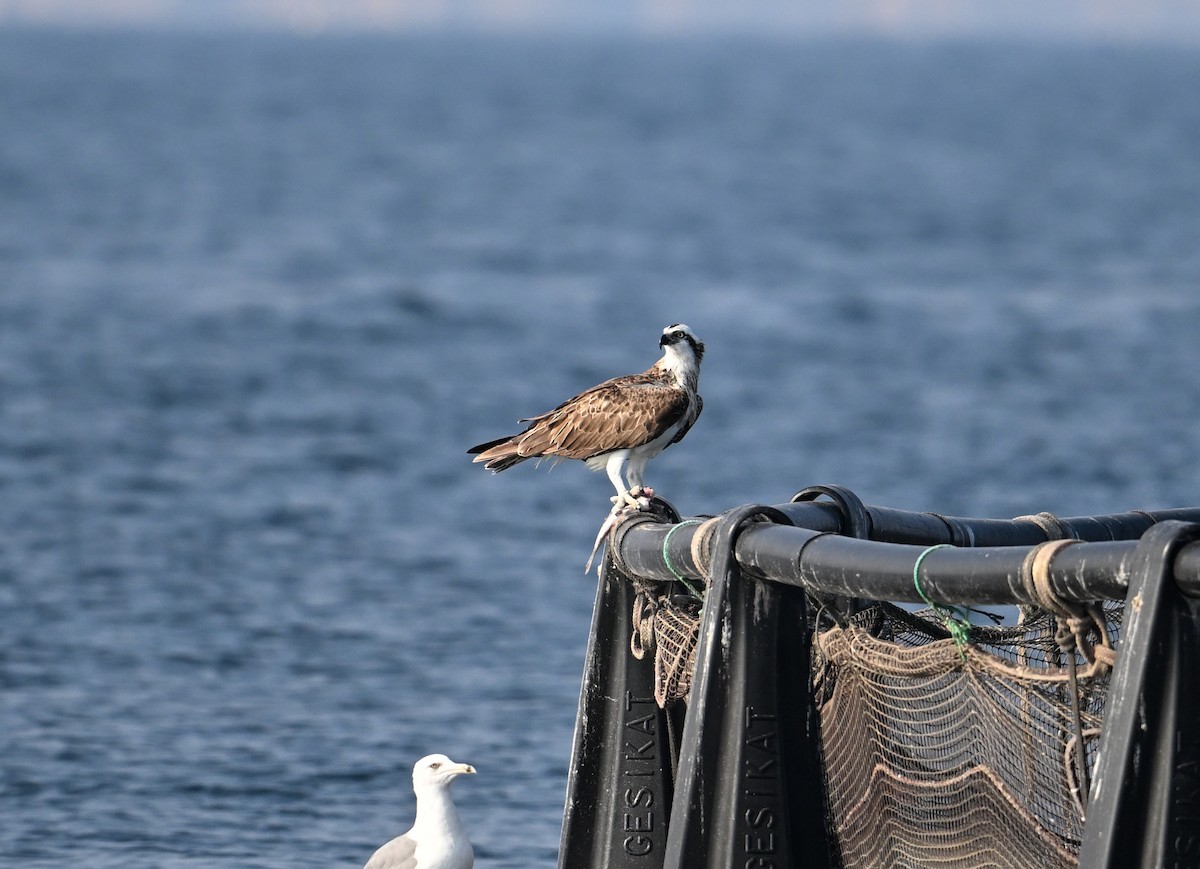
<point x="465" y="769"/>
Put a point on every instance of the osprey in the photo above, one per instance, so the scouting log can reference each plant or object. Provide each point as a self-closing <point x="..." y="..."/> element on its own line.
<point x="618" y="425"/>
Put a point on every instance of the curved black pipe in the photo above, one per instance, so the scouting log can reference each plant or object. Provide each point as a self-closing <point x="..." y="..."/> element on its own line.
<point x="855" y="518"/>
<point x="884" y="571"/>
<point x="833" y="564"/>
<point x="903" y="526"/>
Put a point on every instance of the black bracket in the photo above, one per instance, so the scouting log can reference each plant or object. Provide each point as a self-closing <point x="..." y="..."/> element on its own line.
<point x="619" y="790"/>
<point x="748" y="792"/>
<point x="1144" y="811"/>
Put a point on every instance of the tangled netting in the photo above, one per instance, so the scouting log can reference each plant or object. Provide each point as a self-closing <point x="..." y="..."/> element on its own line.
<point x="936" y="753"/>
<point x="671" y="627"/>
<point x="949" y="756"/>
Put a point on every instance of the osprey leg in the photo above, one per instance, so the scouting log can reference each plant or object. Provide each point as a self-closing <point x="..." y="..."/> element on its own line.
<point x="615" y="468"/>
<point x="637" y="465"/>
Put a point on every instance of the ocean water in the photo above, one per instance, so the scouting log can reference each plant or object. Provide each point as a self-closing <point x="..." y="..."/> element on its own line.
<point x="259" y="294"/>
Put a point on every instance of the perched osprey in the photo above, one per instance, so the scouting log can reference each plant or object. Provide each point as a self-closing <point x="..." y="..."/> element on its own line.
<point x="618" y="425"/>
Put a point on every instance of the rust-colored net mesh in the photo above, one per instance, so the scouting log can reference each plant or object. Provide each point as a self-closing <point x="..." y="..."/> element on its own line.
<point x="938" y="755"/>
<point x="956" y="757"/>
<point x="671" y="625"/>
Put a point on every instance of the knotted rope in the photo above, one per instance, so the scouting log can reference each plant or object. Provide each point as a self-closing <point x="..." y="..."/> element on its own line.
<point x="1076" y="621"/>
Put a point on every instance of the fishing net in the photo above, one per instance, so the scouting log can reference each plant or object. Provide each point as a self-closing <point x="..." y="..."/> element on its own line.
<point x="959" y="756"/>
<point x="671" y="627"/>
<point x="938" y="753"/>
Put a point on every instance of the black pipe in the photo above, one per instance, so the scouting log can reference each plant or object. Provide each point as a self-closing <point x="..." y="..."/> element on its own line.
<point x="884" y="571"/>
<point x="903" y="526"/>
<point x="832" y="564"/>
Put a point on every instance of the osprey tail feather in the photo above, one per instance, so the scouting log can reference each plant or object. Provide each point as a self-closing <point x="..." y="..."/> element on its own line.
<point x="498" y="455"/>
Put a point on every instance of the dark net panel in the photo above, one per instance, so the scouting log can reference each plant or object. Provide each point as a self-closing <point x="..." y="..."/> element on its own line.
<point x="962" y="757"/>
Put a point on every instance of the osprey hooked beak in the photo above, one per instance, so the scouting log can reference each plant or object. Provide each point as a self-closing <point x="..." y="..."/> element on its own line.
<point x="680" y="332"/>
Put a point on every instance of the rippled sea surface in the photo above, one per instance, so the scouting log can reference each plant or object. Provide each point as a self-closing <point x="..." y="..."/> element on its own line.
<point x="258" y="295"/>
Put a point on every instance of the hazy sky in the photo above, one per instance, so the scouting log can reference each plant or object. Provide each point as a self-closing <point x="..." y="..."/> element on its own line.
<point x="1174" y="20"/>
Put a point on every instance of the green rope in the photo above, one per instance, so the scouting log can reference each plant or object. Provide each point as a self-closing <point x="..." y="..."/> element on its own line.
<point x="954" y="619"/>
<point x="667" y="558"/>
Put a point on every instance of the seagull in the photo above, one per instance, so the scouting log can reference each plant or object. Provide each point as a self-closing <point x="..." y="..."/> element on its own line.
<point x="437" y="839"/>
<point x="618" y="425"/>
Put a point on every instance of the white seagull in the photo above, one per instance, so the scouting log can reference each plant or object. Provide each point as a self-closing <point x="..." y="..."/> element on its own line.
<point x="437" y="839"/>
<point x="618" y="425"/>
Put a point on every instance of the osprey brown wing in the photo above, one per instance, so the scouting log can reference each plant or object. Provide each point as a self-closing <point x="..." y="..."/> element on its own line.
<point x="691" y="421"/>
<point x="618" y="414"/>
<point x="610" y="417"/>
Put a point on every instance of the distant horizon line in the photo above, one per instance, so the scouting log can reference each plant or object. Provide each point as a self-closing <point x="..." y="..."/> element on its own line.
<point x="1070" y="37"/>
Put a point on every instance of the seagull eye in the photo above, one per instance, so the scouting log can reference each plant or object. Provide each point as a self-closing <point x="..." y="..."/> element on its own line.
<point x="434" y="765"/>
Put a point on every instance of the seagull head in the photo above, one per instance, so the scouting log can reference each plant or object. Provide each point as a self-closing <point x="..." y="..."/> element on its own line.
<point x="437" y="770"/>
<point x="678" y="339"/>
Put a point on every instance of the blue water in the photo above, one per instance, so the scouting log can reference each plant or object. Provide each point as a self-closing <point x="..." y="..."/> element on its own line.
<point x="258" y="295"/>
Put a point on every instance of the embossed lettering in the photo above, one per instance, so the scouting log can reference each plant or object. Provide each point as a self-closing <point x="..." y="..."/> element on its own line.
<point x="640" y="753"/>
<point x="634" y="798"/>
<point x="760" y="769"/>
<point x="752" y="716"/>
<point x="1186" y="815"/>
<point x="766" y="741"/>
<point x="644" y="724"/>
<point x="639" y="823"/>
<point x="641" y="762"/>
<point x="759" y="844"/>
<point x="638" y="846"/>
<point x="760" y="818"/>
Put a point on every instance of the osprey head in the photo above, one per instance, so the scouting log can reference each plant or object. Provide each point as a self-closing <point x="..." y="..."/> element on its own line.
<point x="680" y="334"/>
